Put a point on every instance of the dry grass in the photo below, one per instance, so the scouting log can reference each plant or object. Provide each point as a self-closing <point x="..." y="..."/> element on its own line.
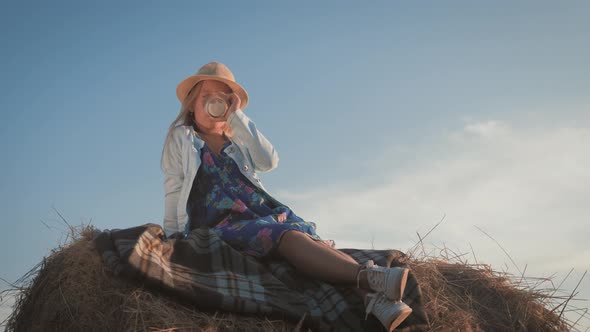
<point x="70" y="290"/>
<point x="462" y="296"/>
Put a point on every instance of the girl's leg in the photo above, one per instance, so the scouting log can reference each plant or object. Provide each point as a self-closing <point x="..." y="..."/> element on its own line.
<point x="320" y="261"/>
<point x="362" y="292"/>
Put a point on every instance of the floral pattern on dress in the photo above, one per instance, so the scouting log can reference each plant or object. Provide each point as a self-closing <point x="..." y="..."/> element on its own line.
<point x="242" y="214"/>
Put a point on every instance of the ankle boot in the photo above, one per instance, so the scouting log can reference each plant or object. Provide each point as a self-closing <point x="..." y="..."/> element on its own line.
<point x="389" y="313"/>
<point x="391" y="281"/>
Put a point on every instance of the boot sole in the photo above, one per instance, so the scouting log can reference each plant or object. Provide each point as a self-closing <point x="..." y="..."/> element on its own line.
<point x="399" y="319"/>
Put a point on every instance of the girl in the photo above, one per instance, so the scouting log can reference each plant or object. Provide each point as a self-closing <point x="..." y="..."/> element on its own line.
<point x="210" y="161"/>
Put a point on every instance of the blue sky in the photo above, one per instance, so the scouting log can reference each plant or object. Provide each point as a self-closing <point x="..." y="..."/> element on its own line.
<point x="386" y="116"/>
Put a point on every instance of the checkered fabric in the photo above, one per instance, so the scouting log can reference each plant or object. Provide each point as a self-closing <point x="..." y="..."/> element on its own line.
<point x="210" y="274"/>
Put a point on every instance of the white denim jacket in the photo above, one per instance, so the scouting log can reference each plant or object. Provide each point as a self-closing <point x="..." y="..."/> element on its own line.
<point x="181" y="159"/>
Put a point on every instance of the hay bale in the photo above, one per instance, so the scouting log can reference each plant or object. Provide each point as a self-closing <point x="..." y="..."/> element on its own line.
<point x="70" y="290"/>
<point x="460" y="296"/>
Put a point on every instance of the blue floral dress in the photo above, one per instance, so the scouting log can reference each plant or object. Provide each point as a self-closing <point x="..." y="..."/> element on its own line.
<point x="242" y="214"/>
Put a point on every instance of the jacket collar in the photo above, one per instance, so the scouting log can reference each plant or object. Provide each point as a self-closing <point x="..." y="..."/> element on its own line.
<point x="195" y="138"/>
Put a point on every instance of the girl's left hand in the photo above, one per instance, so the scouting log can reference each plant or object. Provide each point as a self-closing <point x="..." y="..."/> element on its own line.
<point x="282" y="217"/>
<point x="234" y="102"/>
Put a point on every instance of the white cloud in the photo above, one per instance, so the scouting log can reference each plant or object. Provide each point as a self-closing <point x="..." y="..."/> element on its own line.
<point x="529" y="188"/>
<point x="487" y="130"/>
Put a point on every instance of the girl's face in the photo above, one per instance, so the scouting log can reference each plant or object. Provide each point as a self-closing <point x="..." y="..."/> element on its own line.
<point x="203" y="120"/>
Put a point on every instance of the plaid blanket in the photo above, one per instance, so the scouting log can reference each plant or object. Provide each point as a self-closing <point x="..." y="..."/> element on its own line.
<point x="211" y="274"/>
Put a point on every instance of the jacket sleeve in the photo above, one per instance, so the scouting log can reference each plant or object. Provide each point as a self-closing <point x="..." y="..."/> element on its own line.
<point x="264" y="156"/>
<point x="171" y="166"/>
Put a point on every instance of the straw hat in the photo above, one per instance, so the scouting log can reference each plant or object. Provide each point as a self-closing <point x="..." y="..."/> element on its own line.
<point x="212" y="71"/>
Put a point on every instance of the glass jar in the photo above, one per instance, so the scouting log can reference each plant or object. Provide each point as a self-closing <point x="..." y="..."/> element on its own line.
<point x="216" y="104"/>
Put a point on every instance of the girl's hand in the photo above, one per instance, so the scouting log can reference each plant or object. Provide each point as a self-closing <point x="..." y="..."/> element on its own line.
<point x="234" y="102"/>
<point x="282" y="217"/>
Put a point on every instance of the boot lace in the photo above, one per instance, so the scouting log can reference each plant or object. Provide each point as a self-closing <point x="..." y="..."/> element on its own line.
<point x="375" y="275"/>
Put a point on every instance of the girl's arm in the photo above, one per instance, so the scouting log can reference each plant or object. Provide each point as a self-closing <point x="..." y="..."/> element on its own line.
<point x="171" y="165"/>
<point x="264" y="156"/>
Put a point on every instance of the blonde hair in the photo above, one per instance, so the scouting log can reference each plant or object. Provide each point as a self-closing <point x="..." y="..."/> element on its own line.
<point x="186" y="117"/>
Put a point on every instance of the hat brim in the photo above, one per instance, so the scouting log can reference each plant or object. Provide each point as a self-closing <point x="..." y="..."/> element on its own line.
<point x="188" y="83"/>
